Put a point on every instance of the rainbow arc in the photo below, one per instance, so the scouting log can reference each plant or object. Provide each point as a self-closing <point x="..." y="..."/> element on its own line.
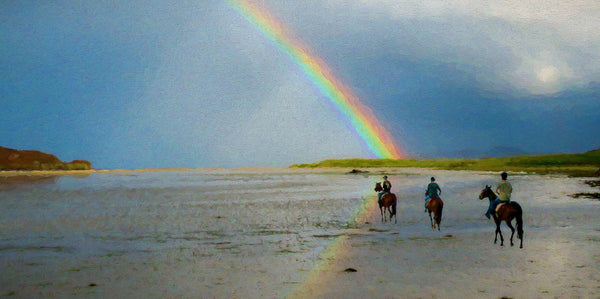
<point x="361" y="118"/>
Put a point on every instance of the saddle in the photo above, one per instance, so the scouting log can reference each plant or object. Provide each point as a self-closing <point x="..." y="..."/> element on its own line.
<point x="498" y="207"/>
<point x="429" y="200"/>
<point x="380" y="199"/>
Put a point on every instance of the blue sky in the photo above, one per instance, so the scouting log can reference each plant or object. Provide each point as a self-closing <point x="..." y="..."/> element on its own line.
<point x="167" y="84"/>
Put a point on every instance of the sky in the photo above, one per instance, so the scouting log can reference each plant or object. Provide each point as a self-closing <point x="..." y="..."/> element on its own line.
<point x="152" y="84"/>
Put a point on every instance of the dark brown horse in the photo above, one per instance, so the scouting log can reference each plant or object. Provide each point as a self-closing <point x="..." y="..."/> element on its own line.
<point x="505" y="213"/>
<point x="387" y="203"/>
<point x="435" y="205"/>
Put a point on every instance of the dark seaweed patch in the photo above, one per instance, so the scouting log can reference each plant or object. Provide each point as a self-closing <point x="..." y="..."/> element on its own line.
<point x="591" y="195"/>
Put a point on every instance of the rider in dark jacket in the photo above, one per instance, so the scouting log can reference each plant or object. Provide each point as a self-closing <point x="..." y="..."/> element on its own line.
<point x="433" y="190"/>
<point x="387" y="186"/>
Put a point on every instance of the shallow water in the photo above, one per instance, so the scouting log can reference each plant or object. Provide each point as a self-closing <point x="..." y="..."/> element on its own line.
<point x="195" y="217"/>
<point x="150" y="209"/>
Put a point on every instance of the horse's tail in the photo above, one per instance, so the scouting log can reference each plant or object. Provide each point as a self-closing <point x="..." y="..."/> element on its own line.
<point x="440" y="208"/>
<point x="519" y="218"/>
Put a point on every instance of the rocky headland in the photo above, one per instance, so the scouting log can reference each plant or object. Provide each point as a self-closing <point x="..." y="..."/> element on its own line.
<point x="12" y="159"/>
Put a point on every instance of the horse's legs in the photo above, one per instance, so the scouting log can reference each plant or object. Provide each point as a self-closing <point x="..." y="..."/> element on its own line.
<point x="512" y="229"/>
<point x="389" y="214"/>
<point x="521" y="246"/>
<point x="498" y="231"/>
<point x="431" y="220"/>
<point x="381" y="210"/>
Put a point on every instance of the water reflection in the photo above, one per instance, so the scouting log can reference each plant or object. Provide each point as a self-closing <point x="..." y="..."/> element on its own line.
<point x="10" y="182"/>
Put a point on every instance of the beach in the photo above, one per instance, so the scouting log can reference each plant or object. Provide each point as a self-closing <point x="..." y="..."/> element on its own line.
<point x="290" y="233"/>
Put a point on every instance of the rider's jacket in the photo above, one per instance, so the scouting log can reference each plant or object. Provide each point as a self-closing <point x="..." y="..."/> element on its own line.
<point x="387" y="186"/>
<point x="505" y="189"/>
<point x="433" y="189"/>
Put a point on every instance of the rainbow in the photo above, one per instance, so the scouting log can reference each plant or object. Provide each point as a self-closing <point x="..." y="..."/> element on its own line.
<point x="312" y="284"/>
<point x="376" y="137"/>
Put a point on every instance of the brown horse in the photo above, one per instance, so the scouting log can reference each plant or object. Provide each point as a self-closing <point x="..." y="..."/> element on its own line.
<point x="505" y="213"/>
<point x="387" y="203"/>
<point x="435" y="205"/>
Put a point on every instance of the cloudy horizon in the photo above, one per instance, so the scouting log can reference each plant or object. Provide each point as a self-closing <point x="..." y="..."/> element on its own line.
<point x="142" y="85"/>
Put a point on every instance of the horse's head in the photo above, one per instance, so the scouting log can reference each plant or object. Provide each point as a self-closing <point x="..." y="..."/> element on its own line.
<point x="486" y="192"/>
<point x="378" y="187"/>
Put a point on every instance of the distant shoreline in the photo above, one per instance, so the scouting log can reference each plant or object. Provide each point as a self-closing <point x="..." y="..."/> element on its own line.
<point x="364" y="171"/>
<point x="8" y="173"/>
<point x="576" y="165"/>
<point x="277" y="170"/>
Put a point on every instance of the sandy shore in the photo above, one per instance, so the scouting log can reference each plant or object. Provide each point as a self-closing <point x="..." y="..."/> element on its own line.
<point x="556" y="263"/>
<point x="297" y="242"/>
<point x="560" y="259"/>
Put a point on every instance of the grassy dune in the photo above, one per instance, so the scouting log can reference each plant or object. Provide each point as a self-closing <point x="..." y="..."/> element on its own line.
<point x="584" y="164"/>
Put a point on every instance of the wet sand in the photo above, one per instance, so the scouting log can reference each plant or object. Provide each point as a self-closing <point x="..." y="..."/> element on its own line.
<point x="288" y="233"/>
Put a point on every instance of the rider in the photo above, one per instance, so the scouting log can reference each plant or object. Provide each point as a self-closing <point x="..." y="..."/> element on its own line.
<point x="504" y="189"/>
<point x="387" y="186"/>
<point x="432" y="191"/>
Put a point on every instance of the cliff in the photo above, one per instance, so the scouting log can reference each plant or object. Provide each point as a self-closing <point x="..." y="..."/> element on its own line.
<point x="12" y="159"/>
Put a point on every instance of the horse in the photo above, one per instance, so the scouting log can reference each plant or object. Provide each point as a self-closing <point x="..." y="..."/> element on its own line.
<point x="505" y="212"/>
<point x="387" y="203"/>
<point x="435" y="205"/>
